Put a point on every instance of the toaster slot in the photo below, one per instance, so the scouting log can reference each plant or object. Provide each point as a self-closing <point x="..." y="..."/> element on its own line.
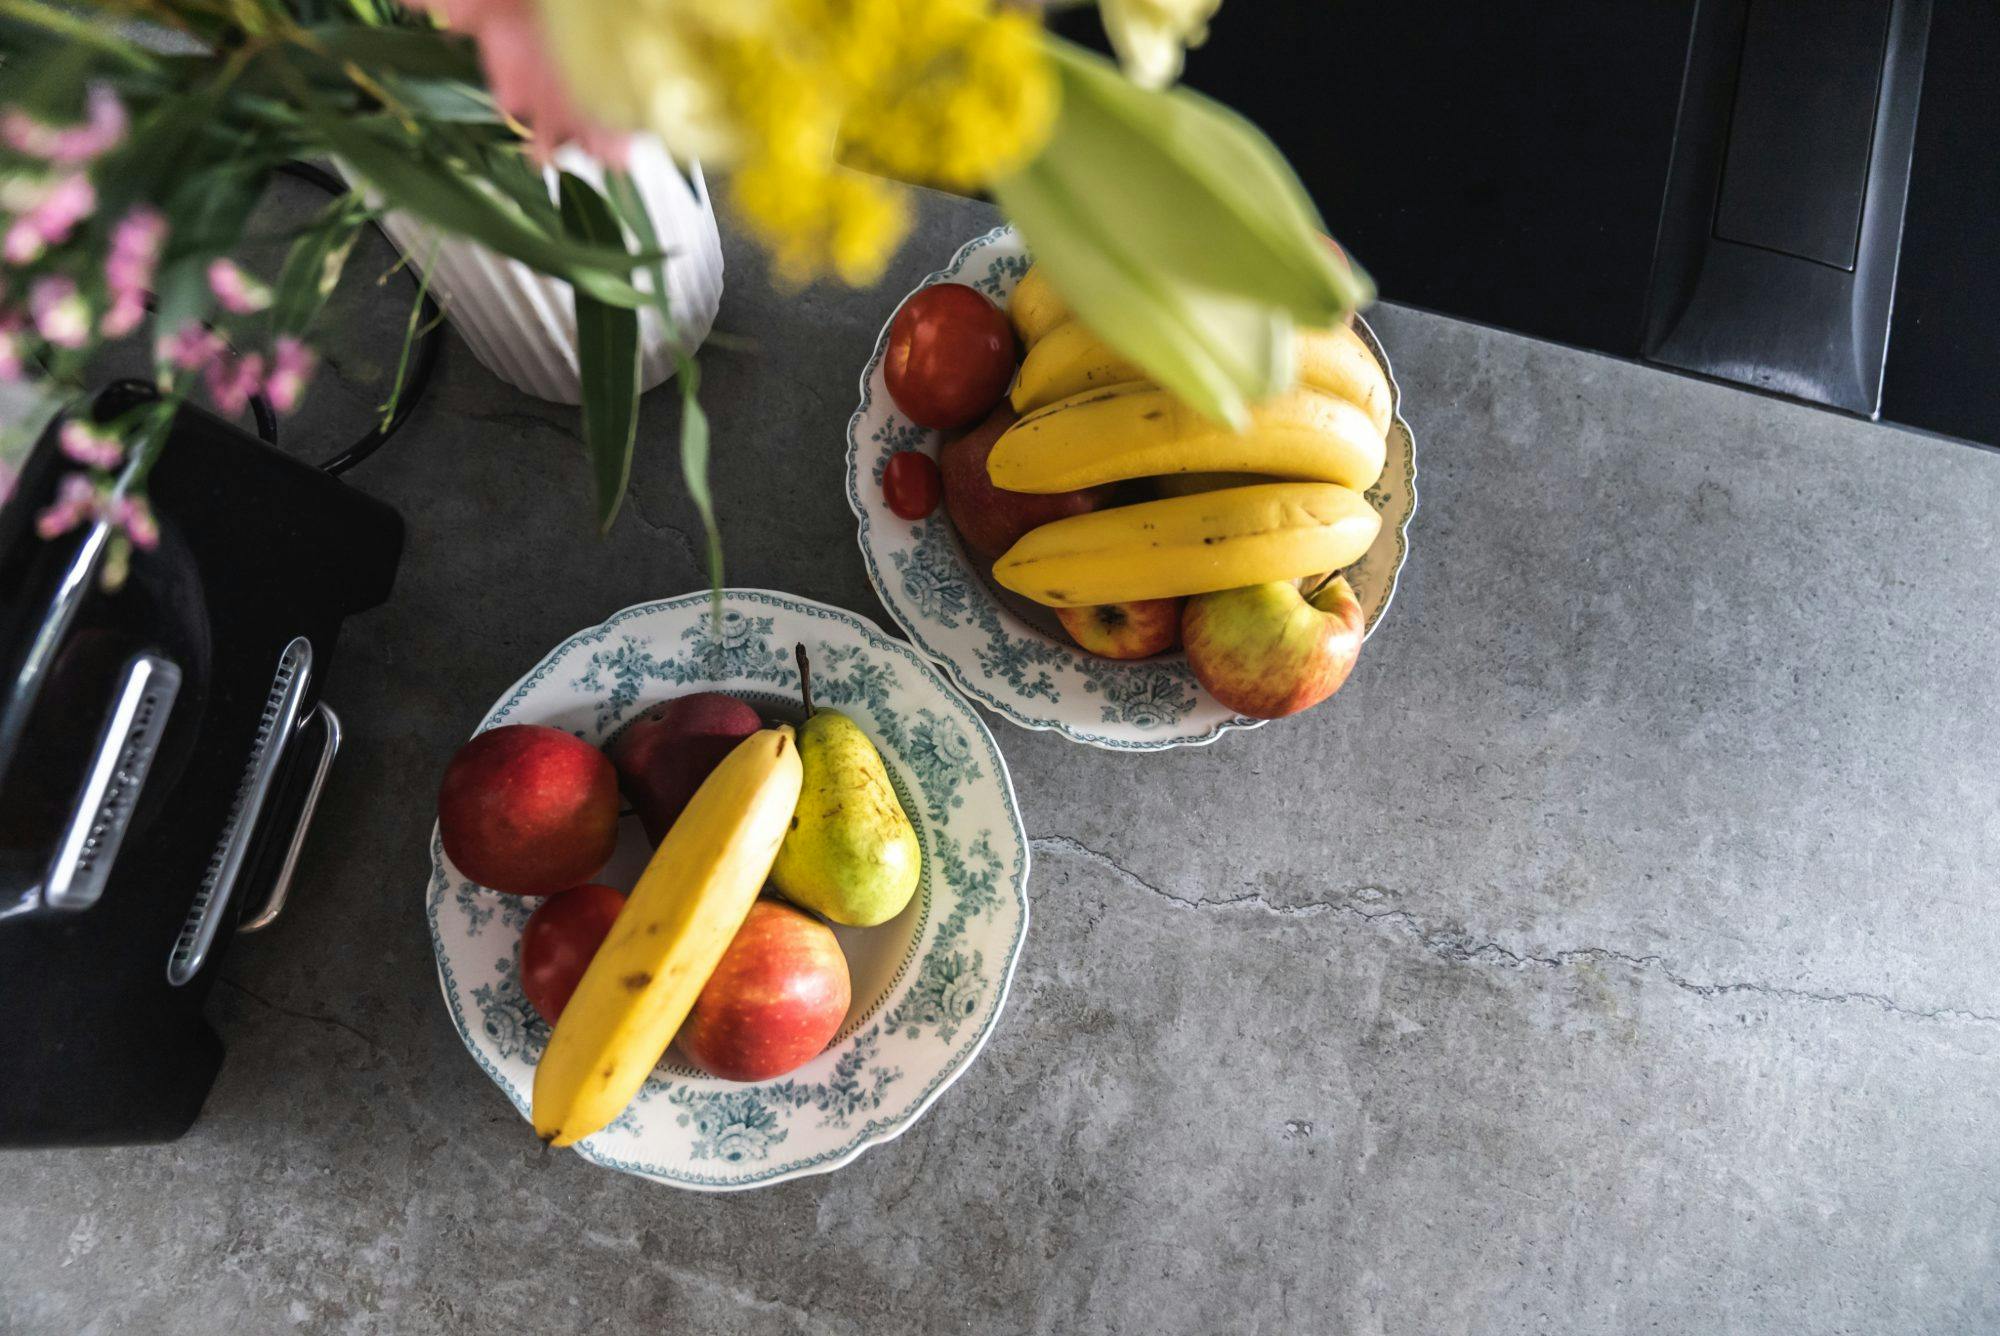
<point x="275" y="726"/>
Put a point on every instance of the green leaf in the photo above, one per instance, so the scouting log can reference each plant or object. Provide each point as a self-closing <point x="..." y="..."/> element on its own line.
<point x="694" y="475"/>
<point x="429" y="53"/>
<point x="1176" y="231"/>
<point x="313" y="265"/>
<point x="439" y="193"/>
<point x="607" y="350"/>
<point x="631" y="207"/>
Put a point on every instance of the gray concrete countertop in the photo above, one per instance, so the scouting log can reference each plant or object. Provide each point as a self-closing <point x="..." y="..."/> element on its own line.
<point x="1614" y="954"/>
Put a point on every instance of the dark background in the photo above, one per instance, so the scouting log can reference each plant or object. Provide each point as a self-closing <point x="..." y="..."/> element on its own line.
<point x="1506" y="162"/>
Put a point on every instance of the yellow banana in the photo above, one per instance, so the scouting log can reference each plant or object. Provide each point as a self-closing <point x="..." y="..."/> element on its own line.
<point x="1138" y="431"/>
<point x="1187" y="484"/>
<point x="1069" y="359"/>
<point x="1190" y="544"/>
<point x="1035" y="308"/>
<point x="691" y="899"/>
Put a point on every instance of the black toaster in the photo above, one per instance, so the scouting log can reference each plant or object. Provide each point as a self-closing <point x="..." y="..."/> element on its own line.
<point x="161" y="750"/>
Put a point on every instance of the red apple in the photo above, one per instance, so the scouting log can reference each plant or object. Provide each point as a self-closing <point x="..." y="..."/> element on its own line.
<point x="992" y="519"/>
<point x="561" y="937"/>
<point x="1267" y="651"/>
<point x="1125" y="630"/>
<point x="776" y="998"/>
<point x="663" y="756"/>
<point x="528" y="810"/>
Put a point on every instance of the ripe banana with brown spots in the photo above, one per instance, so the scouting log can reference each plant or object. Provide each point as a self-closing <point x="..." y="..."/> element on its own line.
<point x="1191" y="544"/>
<point x="1139" y="431"/>
<point x="691" y="899"/>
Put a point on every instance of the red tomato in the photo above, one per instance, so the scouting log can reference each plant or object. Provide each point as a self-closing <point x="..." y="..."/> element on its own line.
<point x="950" y="356"/>
<point x="561" y="937"/>
<point x="911" y="484"/>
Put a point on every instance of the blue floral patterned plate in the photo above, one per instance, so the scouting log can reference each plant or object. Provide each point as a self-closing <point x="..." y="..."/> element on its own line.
<point x="928" y="986"/>
<point x="1032" y="674"/>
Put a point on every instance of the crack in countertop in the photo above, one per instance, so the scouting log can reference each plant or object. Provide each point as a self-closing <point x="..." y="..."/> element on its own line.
<point x="1457" y="945"/>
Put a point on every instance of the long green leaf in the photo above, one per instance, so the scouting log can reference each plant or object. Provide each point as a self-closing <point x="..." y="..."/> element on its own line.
<point x="437" y="192"/>
<point x="607" y="353"/>
<point x="423" y="52"/>
<point x="313" y="265"/>
<point x="694" y="475"/>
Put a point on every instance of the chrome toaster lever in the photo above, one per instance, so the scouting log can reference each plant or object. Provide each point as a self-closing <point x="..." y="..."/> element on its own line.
<point x="274" y="904"/>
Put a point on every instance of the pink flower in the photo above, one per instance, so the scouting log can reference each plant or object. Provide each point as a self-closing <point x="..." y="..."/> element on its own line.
<point x="76" y="501"/>
<point x="136" y="243"/>
<point x="103" y="129"/>
<point x="515" y="54"/>
<point x="127" y="309"/>
<point x="239" y="293"/>
<point x="13" y="357"/>
<point x="231" y="381"/>
<point x="292" y="366"/>
<point x="87" y="444"/>
<point x="190" y="348"/>
<point x="135" y="517"/>
<point x="59" y="311"/>
<point x="63" y="204"/>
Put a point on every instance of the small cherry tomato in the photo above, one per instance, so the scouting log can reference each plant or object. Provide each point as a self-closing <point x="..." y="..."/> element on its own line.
<point x="561" y="937"/>
<point x="950" y="356"/>
<point x="911" y="484"/>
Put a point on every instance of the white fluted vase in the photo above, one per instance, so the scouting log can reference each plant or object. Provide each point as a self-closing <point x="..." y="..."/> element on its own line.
<point x="521" y="324"/>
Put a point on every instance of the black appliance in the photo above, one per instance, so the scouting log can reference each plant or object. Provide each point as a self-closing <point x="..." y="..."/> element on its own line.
<point x="161" y="751"/>
<point x="1795" y="195"/>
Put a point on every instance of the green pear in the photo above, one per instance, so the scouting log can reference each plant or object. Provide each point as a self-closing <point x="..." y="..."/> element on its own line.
<point x="851" y="853"/>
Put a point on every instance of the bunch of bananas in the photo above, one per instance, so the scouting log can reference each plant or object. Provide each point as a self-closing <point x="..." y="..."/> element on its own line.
<point x="1279" y="500"/>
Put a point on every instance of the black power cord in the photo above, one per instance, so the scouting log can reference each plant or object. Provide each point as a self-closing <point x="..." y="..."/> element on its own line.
<point x="414" y="385"/>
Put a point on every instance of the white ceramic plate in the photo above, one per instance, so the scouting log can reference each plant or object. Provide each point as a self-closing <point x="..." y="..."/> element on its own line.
<point x="1032" y="674"/>
<point x="928" y="986"/>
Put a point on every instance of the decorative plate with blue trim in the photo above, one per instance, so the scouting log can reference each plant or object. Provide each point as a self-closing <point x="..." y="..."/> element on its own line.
<point x="991" y="643"/>
<point x="928" y="986"/>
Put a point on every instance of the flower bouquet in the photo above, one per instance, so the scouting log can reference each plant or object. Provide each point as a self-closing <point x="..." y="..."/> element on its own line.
<point x="136" y="137"/>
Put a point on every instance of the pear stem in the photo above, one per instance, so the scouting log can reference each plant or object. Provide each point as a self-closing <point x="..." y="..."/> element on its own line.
<point x="805" y="677"/>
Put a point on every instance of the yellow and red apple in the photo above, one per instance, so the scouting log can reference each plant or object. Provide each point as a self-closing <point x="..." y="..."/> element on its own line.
<point x="1125" y="630"/>
<point x="776" y="998"/>
<point x="1267" y="650"/>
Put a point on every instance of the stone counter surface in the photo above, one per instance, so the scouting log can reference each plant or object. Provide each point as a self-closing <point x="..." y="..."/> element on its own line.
<point x="1616" y="953"/>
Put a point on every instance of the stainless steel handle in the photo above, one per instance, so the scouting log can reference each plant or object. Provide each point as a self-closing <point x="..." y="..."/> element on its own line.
<point x="281" y="888"/>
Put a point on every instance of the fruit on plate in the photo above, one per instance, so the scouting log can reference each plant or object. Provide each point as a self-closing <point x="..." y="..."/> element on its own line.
<point x="680" y="918"/>
<point x="1268" y="650"/>
<point x="911" y="484"/>
<point x="991" y="519"/>
<point x="528" y="810"/>
<point x="851" y="853"/>
<point x="777" y="996"/>
<point x="1035" y="309"/>
<point x="1125" y="630"/>
<point x="562" y="935"/>
<point x="950" y="356"/>
<point x="1070" y="360"/>
<point x="663" y="756"/>
<point x="1139" y="430"/>
<point x="1191" y="544"/>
